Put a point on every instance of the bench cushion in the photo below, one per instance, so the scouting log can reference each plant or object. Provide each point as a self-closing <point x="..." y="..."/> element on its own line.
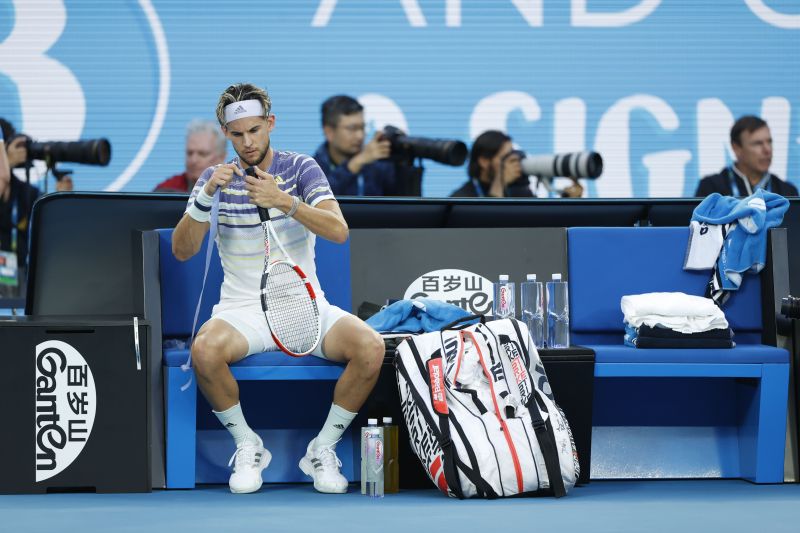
<point x="742" y="354"/>
<point x="608" y="263"/>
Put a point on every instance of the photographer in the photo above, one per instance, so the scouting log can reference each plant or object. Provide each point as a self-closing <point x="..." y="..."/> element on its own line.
<point x="17" y="198"/>
<point x="352" y="167"/>
<point x="494" y="169"/>
<point x="17" y="153"/>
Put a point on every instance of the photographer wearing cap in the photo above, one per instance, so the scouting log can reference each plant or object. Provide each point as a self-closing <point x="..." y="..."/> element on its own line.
<point x="352" y="167"/>
<point x="751" y="141"/>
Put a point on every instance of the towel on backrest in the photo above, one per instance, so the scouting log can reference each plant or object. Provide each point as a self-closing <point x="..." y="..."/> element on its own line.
<point x="675" y="310"/>
<point x="415" y="316"/>
<point x="745" y="246"/>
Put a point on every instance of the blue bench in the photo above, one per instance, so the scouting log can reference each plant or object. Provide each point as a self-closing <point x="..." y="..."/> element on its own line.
<point x="193" y="456"/>
<point x="674" y="413"/>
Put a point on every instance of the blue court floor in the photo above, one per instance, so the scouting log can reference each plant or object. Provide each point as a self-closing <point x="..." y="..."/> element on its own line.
<point x="614" y="506"/>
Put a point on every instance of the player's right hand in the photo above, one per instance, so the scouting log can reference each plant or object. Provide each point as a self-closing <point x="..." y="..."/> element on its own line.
<point x="222" y="175"/>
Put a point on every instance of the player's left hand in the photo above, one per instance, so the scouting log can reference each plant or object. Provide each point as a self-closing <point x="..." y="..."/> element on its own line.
<point x="263" y="191"/>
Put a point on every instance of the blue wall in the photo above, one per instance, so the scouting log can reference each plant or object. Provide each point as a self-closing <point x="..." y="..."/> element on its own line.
<point x="654" y="85"/>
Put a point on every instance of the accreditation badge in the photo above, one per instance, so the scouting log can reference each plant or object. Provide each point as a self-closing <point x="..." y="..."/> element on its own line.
<point x="9" y="272"/>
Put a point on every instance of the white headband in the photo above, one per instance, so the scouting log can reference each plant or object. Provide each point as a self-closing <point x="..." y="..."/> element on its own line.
<point x="243" y="109"/>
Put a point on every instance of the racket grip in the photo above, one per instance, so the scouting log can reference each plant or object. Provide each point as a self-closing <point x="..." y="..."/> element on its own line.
<point x="263" y="214"/>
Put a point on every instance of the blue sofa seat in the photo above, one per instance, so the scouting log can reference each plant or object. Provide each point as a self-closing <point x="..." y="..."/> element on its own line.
<point x="750" y="380"/>
<point x="190" y="456"/>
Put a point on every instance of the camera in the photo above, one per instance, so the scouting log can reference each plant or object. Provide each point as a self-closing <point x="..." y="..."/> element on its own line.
<point x="86" y="152"/>
<point x="569" y="164"/>
<point x="790" y="307"/>
<point x="406" y="149"/>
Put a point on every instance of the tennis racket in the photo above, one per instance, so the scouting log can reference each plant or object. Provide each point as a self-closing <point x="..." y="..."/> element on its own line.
<point x="287" y="297"/>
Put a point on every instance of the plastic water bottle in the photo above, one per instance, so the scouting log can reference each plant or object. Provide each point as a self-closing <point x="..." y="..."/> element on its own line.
<point x="532" y="300"/>
<point x="372" y="459"/>
<point x="391" y="468"/>
<point x="371" y="422"/>
<point x="557" y="313"/>
<point x="503" y="305"/>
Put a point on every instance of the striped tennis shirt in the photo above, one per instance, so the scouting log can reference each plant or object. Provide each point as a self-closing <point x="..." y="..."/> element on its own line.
<point x="240" y="239"/>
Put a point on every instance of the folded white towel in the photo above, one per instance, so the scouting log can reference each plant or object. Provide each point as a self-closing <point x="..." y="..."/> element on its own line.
<point x="675" y="310"/>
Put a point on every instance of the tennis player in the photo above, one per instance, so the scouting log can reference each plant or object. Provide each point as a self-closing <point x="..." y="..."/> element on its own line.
<point x="302" y="206"/>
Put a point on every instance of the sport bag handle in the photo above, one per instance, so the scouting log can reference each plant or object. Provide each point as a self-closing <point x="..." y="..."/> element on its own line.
<point x="468" y="318"/>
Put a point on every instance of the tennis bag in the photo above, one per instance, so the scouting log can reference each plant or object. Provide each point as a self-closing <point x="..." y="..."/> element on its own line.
<point x="480" y="413"/>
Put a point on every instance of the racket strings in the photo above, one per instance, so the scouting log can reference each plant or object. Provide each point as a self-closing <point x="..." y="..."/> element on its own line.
<point x="293" y="314"/>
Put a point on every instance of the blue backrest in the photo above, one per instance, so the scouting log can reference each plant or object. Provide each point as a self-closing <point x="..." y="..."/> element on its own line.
<point x="181" y="282"/>
<point x="608" y="263"/>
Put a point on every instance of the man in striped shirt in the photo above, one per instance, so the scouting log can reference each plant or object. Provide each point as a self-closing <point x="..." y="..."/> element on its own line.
<point x="302" y="206"/>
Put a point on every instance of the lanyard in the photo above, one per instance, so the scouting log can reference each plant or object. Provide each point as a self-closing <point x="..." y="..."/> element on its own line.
<point x="765" y="182"/>
<point x="478" y="189"/>
<point x="360" y="185"/>
<point x="14" y="222"/>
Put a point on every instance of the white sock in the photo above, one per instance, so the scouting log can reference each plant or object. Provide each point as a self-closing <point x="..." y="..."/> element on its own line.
<point x="233" y="420"/>
<point x="332" y="430"/>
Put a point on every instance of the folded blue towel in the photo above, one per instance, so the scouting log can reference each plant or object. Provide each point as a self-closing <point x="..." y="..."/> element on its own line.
<point x="745" y="246"/>
<point x="631" y="336"/>
<point x="415" y="316"/>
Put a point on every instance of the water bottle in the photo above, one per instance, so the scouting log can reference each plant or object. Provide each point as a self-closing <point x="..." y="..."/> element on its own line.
<point x="532" y="300"/>
<point x="391" y="468"/>
<point x="503" y="305"/>
<point x="557" y="313"/>
<point x="372" y="459"/>
<point x="371" y="422"/>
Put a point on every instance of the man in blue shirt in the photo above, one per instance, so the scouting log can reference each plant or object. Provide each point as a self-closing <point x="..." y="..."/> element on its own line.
<point x="352" y="167"/>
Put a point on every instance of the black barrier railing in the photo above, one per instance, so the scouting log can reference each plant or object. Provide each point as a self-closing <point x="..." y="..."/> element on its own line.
<point x="79" y="237"/>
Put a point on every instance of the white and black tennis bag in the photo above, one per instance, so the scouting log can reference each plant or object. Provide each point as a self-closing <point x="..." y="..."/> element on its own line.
<point x="480" y="413"/>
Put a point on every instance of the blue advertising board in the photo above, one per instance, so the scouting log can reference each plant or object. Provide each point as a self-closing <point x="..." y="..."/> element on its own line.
<point x="653" y="85"/>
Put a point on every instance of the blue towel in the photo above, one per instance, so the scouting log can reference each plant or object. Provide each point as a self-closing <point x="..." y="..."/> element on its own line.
<point x="745" y="246"/>
<point x="631" y="336"/>
<point x="415" y="316"/>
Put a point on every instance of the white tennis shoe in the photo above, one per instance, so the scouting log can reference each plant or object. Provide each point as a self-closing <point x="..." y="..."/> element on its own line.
<point x="249" y="459"/>
<point x="323" y="466"/>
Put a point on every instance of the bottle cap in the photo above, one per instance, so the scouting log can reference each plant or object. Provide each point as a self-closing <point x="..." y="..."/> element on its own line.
<point x="531" y="277"/>
<point x="503" y="277"/>
<point x="372" y="421"/>
<point x="387" y="419"/>
<point x="556" y="277"/>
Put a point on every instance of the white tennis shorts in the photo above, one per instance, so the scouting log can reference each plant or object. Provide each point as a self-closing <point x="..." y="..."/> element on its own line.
<point x="249" y="320"/>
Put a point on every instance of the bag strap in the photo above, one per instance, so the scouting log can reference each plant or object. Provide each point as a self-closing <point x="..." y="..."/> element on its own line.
<point x="468" y="318"/>
<point x="442" y="411"/>
<point x="212" y="235"/>
<point x="547" y="443"/>
<point x="439" y="433"/>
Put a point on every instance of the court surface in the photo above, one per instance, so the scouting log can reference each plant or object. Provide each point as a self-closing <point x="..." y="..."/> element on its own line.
<point x="641" y="506"/>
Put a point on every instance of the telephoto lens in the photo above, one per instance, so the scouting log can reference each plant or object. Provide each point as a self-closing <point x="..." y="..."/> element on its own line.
<point x="87" y="152"/>
<point x="446" y="151"/>
<point x="569" y="164"/>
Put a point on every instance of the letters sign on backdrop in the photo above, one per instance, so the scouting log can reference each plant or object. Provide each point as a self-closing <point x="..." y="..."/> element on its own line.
<point x="653" y="85"/>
